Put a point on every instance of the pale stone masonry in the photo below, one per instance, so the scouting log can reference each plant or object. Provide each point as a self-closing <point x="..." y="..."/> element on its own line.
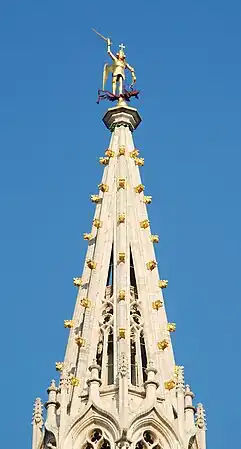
<point x="119" y="383"/>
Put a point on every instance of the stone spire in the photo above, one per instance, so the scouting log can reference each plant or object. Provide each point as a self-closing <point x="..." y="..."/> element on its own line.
<point x="119" y="381"/>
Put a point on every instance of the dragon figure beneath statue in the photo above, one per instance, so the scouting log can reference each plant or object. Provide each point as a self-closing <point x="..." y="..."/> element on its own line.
<point x="127" y="94"/>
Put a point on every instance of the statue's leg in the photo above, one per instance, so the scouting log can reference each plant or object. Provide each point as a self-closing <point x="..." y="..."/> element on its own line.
<point x="120" y="85"/>
<point x="114" y="85"/>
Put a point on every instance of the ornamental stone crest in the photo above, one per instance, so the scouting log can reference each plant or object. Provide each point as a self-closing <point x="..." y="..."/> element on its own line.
<point x="123" y="365"/>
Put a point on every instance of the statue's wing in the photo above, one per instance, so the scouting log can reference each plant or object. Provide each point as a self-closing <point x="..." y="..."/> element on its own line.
<point x="106" y="71"/>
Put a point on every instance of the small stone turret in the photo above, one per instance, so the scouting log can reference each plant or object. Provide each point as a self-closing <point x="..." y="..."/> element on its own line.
<point x="51" y="405"/>
<point x="189" y="409"/>
<point x="94" y="382"/>
<point x="151" y="384"/>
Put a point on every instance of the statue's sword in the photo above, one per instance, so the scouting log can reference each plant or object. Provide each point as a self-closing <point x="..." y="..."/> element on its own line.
<point x="101" y="35"/>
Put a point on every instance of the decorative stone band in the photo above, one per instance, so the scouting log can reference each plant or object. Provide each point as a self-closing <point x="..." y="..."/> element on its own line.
<point x="90" y="381"/>
<point x="190" y="407"/>
<point x="94" y="366"/>
<point x="122" y="116"/>
<point x="56" y="403"/>
<point x="151" y="382"/>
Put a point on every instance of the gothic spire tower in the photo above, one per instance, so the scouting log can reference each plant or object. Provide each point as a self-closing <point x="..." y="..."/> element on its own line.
<point x="119" y="383"/>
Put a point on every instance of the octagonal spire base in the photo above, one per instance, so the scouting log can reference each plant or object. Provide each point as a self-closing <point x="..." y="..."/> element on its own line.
<point x="122" y="115"/>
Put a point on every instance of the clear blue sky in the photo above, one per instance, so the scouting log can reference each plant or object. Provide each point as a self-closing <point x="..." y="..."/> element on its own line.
<point x="187" y="59"/>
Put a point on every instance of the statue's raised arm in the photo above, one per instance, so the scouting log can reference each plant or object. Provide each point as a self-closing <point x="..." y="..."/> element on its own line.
<point x="109" y="50"/>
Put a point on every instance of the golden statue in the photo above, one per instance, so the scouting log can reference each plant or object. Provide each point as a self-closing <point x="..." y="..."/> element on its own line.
<point x="117" y="68"/>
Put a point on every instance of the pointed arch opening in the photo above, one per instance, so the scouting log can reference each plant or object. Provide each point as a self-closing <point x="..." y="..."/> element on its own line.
<point x="133" y="283"/>
<point x="99" y="352"/>
<point x="133" y="358"/>
<point x="110" y="277"/>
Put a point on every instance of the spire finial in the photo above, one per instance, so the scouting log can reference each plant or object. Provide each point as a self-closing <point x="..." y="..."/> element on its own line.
<point x="188" y="391"/>
<point x="94" y="369"/>
<point x="201" y="417"/>
<point x="37" y="423"/>
<point x="38" y="412"/>
<point x="52" y="386"/>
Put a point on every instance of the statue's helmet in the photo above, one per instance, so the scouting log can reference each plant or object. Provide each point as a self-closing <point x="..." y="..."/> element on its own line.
<point x="121" y="54"/>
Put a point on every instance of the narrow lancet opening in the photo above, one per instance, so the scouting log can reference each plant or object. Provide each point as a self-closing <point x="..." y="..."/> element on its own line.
<point x="110" y="277"/>
<point x="132" y="271"/>
<point x="110" y="358"/>
<point x="175" y="415"/>
<point x="143" y="356"/>
<point x="133" y="277"/>
<point x="99" y="352"/>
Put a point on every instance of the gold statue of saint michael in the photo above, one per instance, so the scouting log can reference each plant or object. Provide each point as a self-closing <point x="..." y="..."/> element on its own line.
<point x="117" y="68"/>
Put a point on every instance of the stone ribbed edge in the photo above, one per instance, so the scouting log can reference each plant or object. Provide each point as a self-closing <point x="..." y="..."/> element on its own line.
<point x="122" y="115"/>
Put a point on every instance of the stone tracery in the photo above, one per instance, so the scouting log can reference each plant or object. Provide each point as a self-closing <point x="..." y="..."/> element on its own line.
<point x="148" y="439"/>
<point x="96" y="439"/>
